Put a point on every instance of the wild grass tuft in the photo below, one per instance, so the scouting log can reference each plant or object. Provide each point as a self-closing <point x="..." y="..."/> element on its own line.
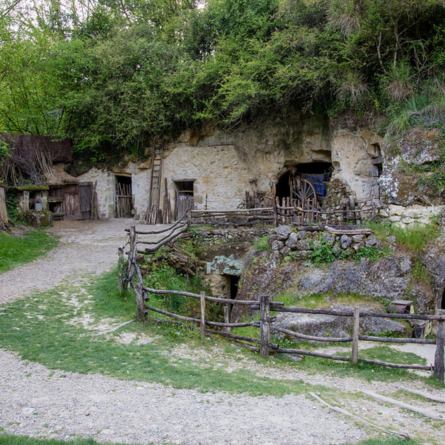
<point x="16" y="250"/>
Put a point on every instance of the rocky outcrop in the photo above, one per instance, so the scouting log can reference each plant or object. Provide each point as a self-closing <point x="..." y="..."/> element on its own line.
<point x="328" y="325"/>
<point x="411" y="167"/>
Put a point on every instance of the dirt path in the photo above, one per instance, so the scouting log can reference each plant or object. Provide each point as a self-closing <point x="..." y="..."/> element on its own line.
<point x="85" y="247"/>
<point x="38" y="402"/>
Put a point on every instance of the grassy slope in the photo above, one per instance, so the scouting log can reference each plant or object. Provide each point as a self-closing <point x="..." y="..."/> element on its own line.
<point x="16" y="250"/>
<point x="46" y="334"/>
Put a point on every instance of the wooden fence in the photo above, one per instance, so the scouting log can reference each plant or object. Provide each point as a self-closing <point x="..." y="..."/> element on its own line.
<point x="284" y="212"/>
<point x="131" y="275"/>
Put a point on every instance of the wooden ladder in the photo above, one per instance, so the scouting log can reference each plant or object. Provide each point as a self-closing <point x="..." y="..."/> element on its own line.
<point x="156" y="177"/>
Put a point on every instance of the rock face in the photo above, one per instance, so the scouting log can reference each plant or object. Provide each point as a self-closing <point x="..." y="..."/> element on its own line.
<point x="327" y="325"/>
<point x="386" y="278"/>
<point x="403" y="182"/>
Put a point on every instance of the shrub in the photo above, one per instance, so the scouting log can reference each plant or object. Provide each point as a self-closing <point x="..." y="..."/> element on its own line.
<point x="261" y="244"/>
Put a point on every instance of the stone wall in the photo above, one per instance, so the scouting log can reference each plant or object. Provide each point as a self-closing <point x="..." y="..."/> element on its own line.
<point x="412" y="215"/>
<point x="301" y="244"/>
<point x="106" y="187"/>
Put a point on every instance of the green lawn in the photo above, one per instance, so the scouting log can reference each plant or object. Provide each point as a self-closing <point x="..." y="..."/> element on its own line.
<point x="16" y="250"/>
<point x="41" y="329"/>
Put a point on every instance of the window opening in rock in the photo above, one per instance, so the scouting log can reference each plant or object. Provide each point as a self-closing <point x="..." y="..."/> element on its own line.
<point x="124" y="196"/>
<point x="184" y="197"/>
<point x="442" y="306"/>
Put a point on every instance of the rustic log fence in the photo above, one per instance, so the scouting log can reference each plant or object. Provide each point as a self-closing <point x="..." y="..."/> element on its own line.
<point x="284" y="211"/>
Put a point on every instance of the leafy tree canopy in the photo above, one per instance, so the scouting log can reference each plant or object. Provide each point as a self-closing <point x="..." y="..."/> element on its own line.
<point x="118" y="75"/>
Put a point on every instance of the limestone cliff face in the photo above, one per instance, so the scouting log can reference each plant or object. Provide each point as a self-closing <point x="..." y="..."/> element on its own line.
<point x="226" y="164"/>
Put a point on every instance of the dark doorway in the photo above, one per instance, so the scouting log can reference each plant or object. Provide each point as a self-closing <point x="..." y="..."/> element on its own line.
<point x="442" y="305"/>
<point x="317" y="173"/>
<point x="234" y="282"/>
<point x="124" y="196"/>
<point x="184" y="199"/>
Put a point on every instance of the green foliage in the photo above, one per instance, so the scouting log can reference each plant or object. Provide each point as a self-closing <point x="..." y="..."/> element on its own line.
<point x="391" y="355"/>
<point x="324" y="252"/>
<point x="122" y="79"/>
<point x="16" y="250"/>
<point x="414" y="239"/>
<point x="262" y="244"/>
<point x="389" y="441"/>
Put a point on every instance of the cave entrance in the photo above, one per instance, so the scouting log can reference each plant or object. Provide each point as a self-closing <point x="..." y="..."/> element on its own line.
<point x="232" y="284"/>
<point x="442" y="304"/>
<point x="302" y="181"/>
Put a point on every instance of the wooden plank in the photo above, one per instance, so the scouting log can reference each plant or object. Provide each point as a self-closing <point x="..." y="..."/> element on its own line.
<point x="421" y="341"/>
<point x="312" y="337"/>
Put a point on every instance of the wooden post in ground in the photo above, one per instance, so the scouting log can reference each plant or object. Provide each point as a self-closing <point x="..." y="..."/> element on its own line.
<point x="355" y="335"/>
<point x="439" y="366"/>
<point x="265" y="325"/>
<point x="226" y="317"/>
<point x="203" y="315"/>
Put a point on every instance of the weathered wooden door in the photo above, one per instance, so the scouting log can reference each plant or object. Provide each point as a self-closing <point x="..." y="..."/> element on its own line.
<point x="183" y="204"/>
<point x="86" y="199"/>
<point x="71" y="202"/>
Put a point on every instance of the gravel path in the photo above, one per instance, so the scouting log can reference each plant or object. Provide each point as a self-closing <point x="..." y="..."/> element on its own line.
<point x="38" y="402"/>
<point x="85" y="247"/>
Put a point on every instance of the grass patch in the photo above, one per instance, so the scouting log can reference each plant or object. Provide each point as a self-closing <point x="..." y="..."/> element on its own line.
<point x="47" y="335"/>
<point x="389" y="441"/>
<point x="16" y="250"/>
<point x="414" y="239"/>
<point x="390" y="355"/>
<point x="261" y="244"/>
<point x="23" y="440"/>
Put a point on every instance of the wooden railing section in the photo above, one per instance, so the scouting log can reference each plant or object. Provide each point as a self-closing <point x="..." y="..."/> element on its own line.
<point x="283" y="212"/>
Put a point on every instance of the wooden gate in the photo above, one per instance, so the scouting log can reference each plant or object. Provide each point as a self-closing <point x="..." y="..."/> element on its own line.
<point x="124" y="197"/>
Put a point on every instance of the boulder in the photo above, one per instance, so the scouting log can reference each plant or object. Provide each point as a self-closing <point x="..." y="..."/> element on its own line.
<point x="332" y="326"/>
<point x="283" y="232"/>
<point x="345" y="241"/>
<point x="277" y="245"/>
<point x="292" y="242"/>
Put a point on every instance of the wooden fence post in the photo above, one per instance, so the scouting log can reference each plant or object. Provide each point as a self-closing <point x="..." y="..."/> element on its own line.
<point x="355" y="335"/>
<point x="265" y="325"/>
<point x="439" y="367"/>
<point x="226" y="317"/>
<point x="203" y="315"/>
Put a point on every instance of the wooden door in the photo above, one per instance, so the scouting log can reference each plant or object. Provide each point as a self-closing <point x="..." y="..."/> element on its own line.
<point x="71" y="202"/>
<point x="184" y="203"/>
<point x="86" y="199"/>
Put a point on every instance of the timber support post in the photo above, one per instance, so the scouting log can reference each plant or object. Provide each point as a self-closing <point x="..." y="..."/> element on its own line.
<point x="439" y="366"/>
<point x="226" y="309"/>
<point x="355" y="335"/>
<point x="203" y="315"/>
<point x="265" y="325"/>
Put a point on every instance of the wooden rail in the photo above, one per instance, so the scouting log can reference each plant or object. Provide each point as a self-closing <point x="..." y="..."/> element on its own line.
<point x="132" y="276"/>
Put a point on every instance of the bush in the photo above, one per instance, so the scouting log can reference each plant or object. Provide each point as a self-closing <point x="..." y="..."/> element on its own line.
<point x="262" y="244"/>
